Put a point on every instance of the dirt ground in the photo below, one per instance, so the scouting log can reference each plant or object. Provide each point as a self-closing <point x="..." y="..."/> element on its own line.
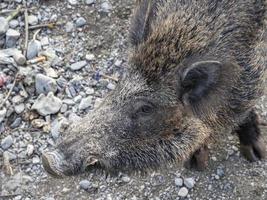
<point x="228" y="177"/>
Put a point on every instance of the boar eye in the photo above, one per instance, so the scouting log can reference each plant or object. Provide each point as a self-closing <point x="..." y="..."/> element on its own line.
<point x="146" y="109"/>
<point x="143" y="110"/>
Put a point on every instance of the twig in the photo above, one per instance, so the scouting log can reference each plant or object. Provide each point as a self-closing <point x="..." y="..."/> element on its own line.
<point x="50" y="25"/>
<point x="26" y="29"/>
<point x="7" y="165"/>
<point x="35" y="34"/>
<point x="9" y="195"/>
<point x="14" y="14"/>
<point x="109" y="77"/>
<point x="9" y="93"/>
<point x="13" y="10"/>
<point x="6" y="11"/>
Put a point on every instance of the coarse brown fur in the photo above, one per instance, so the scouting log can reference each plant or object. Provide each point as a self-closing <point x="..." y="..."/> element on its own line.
<point x="196" y="70"/>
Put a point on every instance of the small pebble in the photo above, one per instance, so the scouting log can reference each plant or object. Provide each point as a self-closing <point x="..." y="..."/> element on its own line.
<point x="178" y="182"/>
<point x="89" y="2"/>
<point x="19" y="108"/>
<point x="118" y="63"/>
<point x="183" y="192"/>
<point x="36" y="160"/>
<point x="80" y="22"/>
<point x="126" y="179"/>
<point x="106" y="7"/>
<point x="78" y="65"/>
<point x="34" y="47"/>
<point x="85" y="184"/>
<point x="69" y="27"/>
<point x="64" y="108"/>
<point x="45" y="41"/>
<point x="7" y="142"/>
<point x="45" y="84"/>
<point x="11" y="37"/>
<point x="85" y="103"/>
<point x="73" y="2"/>
<point x="33" y="20"/>
<point x="17" y="99"/>
<point x="217" y="177"/>
<point x="16" y="122"/>
<point x="220" y="172"/>
<point x="111" y="86"/>
<point x="189" y="182"/>
<point x="90" y="91"/>
<point x="13" y="23"/>
<point x="90" y="57"/>
<point x="30" y="149"/>
<point x="2" y="114"/>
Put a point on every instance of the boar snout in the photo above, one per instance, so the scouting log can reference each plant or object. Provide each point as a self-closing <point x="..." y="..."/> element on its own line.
<point x="57" y="165"/>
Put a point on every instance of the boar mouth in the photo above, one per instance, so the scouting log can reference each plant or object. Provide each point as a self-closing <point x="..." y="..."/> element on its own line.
<point x="58" y="166"/>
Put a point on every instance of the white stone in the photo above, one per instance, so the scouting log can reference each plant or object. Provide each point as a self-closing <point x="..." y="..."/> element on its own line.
<point x="13" y="23"/>
<point x="178" y="182"/>
<point x="89" y="2"/>
<point x="189" y="183"/>
<point x="19" y="108"/>
<point x="47" y="105"/>
<point x="30" y="149"/>
<point x="73" y="2"/>
<point x="183" y="192"/>
<point x="33" y="20"/>
<point x="85" y="103"/>
<point x="90" y="57"/>
<point x="69" y="27"/>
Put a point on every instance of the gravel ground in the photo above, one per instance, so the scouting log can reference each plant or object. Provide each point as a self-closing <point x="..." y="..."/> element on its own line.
<point x="85" y="55"/>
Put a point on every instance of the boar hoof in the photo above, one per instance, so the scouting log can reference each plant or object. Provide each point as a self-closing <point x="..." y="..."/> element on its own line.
<point x="254" y="152"/>
<point x="199" y="160"/>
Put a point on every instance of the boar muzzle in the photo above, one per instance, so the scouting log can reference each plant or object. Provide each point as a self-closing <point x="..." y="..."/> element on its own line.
<point x="53" y="163"/>
<point x="56" y="164"/>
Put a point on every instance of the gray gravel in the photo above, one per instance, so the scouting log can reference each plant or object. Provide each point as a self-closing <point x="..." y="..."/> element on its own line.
<point x="78" y="65"/>
<point x="34" y="47"/>
<point x="45" y="84"/>
<point x="47" y="105"/>
<point x="91" y="41"/>
<point x="11" y="37"/>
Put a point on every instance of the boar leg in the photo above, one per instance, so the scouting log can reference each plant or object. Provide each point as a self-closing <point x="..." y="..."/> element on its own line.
<point x="199" y="160"/>
<point x="251" y="142"/>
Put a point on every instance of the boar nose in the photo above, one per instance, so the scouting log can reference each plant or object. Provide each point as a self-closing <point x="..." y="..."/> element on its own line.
<point x="55" y="163"/>
<point x="52" y="163"/>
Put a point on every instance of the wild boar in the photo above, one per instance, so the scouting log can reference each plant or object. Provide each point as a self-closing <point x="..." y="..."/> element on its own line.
<point x="195" y="71"/>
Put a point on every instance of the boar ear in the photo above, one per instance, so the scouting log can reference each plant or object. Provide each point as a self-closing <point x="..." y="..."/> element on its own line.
<point x="199" y="79"/>
<point x="142" y="18"/>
